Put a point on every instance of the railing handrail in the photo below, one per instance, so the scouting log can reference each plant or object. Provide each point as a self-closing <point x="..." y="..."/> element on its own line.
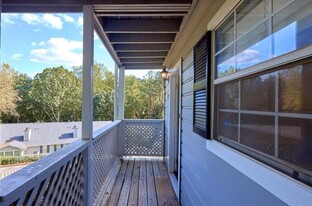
<point x="25" y="178"/>
<point x="98" y="133"/>
<point x="143" y="120"/>
<point x="22" y="179"/>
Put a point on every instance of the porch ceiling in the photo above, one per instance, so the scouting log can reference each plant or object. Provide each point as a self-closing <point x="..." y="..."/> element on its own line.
<point x="137" y="33"/>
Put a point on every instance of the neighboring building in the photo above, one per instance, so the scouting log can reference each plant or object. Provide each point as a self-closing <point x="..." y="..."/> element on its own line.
<point x="39" y="138"/>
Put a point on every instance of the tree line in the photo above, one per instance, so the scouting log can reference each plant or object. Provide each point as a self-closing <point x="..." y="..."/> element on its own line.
<point x="55" y="95"/>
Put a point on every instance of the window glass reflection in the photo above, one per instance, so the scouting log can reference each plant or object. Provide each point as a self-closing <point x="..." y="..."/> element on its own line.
<point x="257" y="132"/>
<point x="295" y="89"/>
<point x="295" y="141"/>
<point x="228" y="96"/>
<point x="226" y="62"/>
<point x="225" y="33"/>
<point x="258" y="93"/>
<point x="249" y="13"/>
<point x="292" y="29"/>
<point x="254" y="47"/>
<point x="287" y="30"/>
<point x="228" y="125"/>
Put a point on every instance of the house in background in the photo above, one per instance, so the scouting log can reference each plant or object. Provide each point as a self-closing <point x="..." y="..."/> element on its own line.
<point x="39" y="138"/>
<point x="238" y="110"/>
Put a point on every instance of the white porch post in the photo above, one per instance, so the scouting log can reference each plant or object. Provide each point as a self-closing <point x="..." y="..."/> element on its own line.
<point x="121" y="93"/>
<point x="116" y="93"/>
<point x="87" y="75"/>
<point x="87" y="98"/>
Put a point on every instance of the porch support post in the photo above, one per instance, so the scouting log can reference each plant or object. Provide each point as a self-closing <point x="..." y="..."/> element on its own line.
<point x="121" y="93"/>
<point x="116" y="89"/>
<point x="87" y="75"/>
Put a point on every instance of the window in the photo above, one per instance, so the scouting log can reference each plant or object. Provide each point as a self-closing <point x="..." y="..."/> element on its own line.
<point x="9" y="153"/>
<point x="266" y="115"/>
<point x="1" y="154"/>
<point x="201" y="97"/>
<point x="254" y="33"/>
<point x="17" y="153"/>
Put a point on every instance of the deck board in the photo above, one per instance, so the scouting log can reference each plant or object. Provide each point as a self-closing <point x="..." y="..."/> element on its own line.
<point x="143" y="181"/>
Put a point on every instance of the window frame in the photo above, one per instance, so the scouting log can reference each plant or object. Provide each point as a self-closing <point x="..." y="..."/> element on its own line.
<point x="290" y="58"/>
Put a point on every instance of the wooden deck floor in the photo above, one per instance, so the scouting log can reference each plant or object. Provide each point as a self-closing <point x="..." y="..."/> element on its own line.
<point x="142" y="181"/>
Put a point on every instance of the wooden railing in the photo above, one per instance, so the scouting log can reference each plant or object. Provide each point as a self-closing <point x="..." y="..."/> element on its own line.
<point x="78" y="174"/>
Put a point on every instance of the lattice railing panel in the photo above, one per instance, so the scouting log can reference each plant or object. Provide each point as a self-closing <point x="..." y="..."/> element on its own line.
<point x="59" y="183"/>
<point x="143" y="137"/>
<point x="104" y="155"/>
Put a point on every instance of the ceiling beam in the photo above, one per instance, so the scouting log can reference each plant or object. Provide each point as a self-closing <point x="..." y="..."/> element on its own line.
<point x="93" y="2"/>
<point x="142" y="64"/>
<point x="142" y="14"/>
<point x="141" y="38"/>
<point x="141" y="25"/>
<point x="123" y="55"/>
<point x="143" y="67"/>
<point x="141" y="47"/>
<point x="143" y="60"/>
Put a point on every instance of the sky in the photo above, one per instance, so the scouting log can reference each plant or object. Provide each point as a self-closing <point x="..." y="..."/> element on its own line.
<point x="32" y="42"/>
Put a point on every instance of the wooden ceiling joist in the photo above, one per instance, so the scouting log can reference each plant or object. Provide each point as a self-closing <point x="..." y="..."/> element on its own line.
<point x="143" y="60"/>
<point x="141" y="47"/>
<point x="124" y="55"/>
<point x="142" y="25"/>
<point x="141" y="38"/>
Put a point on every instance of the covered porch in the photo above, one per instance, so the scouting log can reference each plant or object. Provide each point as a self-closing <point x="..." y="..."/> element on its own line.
<point x="123" y="163"/>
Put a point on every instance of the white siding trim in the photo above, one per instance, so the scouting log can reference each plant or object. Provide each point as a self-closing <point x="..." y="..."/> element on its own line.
<point x="283" y="187"/>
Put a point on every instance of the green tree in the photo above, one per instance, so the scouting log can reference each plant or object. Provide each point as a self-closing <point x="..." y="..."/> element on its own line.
<point x="8" y="95"/>
<point x="57" y="92"/>
<point x="103" y="91"/>
<point x="153" y="95"/>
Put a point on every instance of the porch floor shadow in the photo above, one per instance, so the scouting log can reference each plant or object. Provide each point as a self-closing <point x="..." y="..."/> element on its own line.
<point x="142" y="181"/>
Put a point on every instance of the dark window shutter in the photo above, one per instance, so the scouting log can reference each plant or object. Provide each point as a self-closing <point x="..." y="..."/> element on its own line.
<point x="201" y="101"/>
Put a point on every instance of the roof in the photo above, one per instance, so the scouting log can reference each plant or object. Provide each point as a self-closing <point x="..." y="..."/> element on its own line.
<point x="44" y="133"/>
<point x="15" y="144"/>
<point x="137" y="33"/>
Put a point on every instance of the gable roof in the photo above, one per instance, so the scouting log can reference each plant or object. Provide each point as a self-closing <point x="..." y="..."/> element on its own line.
<point x="44" y="133"/>
<point x="15" y="144"/>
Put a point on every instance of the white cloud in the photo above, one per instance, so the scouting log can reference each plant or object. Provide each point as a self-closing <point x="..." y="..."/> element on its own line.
<point x="17" y="56"/>
<point x="80" y="21"/>
<point x="37" y="44"/>
<point x="32" y="19"/>
<point x="248" y="56"/>
<point x="53" y="21"/>
<point x="101" y="46"/>
<point x="8" y="18"/>
<point x="59" y="51"/>
<point x="47" y="20"/>
<point x="68" y="18"/>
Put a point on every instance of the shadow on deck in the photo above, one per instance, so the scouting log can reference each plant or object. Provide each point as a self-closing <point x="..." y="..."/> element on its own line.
<point x="142" y="181"/>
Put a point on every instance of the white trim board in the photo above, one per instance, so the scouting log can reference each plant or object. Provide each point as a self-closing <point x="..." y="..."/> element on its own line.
<point x="280" y="185"/>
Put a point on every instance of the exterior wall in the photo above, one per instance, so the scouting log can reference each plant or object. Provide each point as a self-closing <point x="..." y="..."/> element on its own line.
<point x="212" y="173"/>
<point x="207" y="179"/>
<point x="5" y="149"/>
<point x="166" y="123"/>
<point x="32" y="150"/>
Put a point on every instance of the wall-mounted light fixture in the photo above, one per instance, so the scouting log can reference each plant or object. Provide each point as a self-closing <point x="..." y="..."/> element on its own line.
<point x="164" y="74"/>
